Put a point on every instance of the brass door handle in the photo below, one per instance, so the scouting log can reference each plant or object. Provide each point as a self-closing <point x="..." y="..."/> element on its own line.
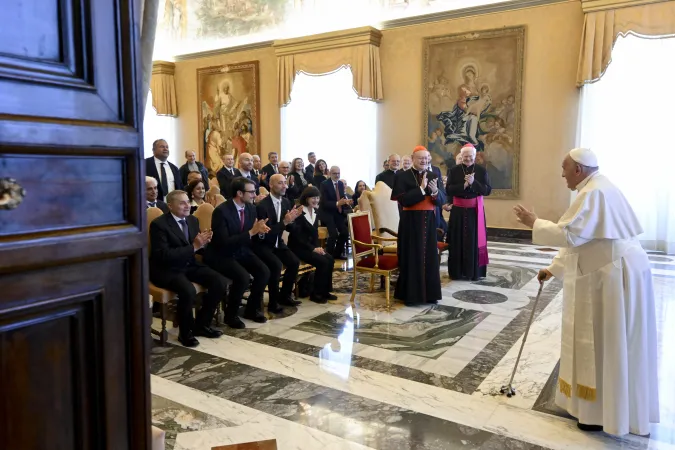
<point x="11" y="193"/>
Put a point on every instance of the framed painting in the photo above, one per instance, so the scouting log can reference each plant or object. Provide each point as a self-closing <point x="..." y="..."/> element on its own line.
<point x="473" y="86"/>
<point x="228" y="112"/>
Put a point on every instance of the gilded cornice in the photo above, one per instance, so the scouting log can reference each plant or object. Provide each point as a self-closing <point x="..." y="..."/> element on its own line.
<point x="327" y="41"/>
<point x="163" y="67"/>
<point x="602" y="5"/>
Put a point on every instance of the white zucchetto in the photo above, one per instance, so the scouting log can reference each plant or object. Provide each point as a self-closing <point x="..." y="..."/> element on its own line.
<point x="584" y="156"/>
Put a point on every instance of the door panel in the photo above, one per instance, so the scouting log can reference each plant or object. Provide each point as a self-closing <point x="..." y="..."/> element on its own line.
<point x="74" y="317"/>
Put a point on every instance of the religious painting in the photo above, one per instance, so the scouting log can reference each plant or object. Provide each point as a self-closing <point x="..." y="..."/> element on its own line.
<point x="228" y="112"/>
<point x="228" y="18"/>
<point x="472" y="94"/>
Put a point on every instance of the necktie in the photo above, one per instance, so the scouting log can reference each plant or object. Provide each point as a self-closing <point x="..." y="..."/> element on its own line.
<point x="164" y="181"/>
<point x="337" y="195"/>
<point x="276" y="169"/>
<point x="231" y="171"/>
<point x="152" y="204"/>
<point x="183" y="225"/>
<point x="241" y="219"/>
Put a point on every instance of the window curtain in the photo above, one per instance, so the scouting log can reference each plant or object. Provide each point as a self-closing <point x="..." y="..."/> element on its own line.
<point x="149" y="10"/>
<point x="606" y="20"/>
<point x="358" y="49"/>
<point x="163" y="87"/>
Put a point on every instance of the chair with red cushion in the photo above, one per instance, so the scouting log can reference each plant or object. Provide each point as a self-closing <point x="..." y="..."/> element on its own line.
<point x="365" y="252"/>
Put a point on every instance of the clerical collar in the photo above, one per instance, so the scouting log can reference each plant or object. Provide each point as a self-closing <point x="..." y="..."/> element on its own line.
<point x="585" y="181"/>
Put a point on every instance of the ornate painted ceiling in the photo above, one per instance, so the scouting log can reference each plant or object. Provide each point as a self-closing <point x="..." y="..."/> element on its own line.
<point x="187" y="26"/>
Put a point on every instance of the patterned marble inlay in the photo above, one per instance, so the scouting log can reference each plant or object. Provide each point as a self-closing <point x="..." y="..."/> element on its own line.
<point x="506" y="276"/>
<point x="375" y="424"/>
<point x="480" y="297"/>
<point x="174" y="419"/>
<point x="429" y="333"/>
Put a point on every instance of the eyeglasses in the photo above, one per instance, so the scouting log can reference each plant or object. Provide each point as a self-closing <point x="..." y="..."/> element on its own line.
<point x="250" y="192"/>
<point x="335" y="173"/>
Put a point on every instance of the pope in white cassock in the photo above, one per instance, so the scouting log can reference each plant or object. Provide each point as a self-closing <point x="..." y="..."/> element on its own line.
<point x="608" y="368"/>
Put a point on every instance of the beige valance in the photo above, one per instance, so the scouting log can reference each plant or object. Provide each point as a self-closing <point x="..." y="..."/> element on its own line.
<point x="603" y="26"/>
<point x="358" y="48"/>
<point x="163" y="88"/>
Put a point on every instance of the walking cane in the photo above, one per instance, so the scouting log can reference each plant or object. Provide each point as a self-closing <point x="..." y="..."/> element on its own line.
<point x="508" y="389"/>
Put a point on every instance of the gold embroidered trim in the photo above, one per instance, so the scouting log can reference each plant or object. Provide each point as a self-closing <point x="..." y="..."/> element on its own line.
<point x="565" y="387"/>
<point x="587" y="393"/>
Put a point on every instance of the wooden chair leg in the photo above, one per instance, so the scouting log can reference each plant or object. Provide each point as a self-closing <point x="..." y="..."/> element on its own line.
<point x="356" y="278"/>
<point x="372" y="283"/>
<point x="163" y="334"/>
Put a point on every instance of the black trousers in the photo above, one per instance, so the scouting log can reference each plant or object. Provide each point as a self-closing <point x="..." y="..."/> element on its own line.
<point x="181" y="284"/>
<point x="338" y="233"/>
<point x="240" y="270"/>
<point x="324" y="264"/>
<point x="276" y="259"/>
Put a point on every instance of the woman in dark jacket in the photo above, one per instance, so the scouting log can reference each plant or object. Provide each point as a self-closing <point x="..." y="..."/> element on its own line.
<point x="196" y="193"/>
<point x="320" y="173"/>
<point x="299" y="182"/>
<point x="303" y="240"/>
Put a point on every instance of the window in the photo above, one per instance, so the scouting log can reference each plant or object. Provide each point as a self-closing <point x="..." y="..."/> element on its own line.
<point x="626" y="118"/>
<point x="159" y="127"/>
<point x="326" y="116"/>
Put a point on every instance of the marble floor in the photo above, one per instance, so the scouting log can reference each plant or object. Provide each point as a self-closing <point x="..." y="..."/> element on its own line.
<point x="362" y="376"/>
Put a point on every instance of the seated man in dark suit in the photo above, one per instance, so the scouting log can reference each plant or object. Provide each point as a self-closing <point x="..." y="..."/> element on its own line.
<point x="387" y="176"/>
<point x="279" y="214"/>
<point x="333" y="211"/>
<point x="192" y="165"/>
<point x="235" y="226"/>
<point x="226" y="175"/>
<point x="151" y="195"/>
<point x="174" y="240"/>
<point x="246" y="170"/>
<point x="166" y="174"/>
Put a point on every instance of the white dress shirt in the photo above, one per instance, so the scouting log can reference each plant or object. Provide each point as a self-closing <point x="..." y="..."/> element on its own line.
<point x="310" y="215"/>
<point x="170" y="182"/>
<point x="277" y="207"/>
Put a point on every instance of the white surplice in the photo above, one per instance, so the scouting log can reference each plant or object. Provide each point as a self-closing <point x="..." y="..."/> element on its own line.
<point x="608" y="363"/>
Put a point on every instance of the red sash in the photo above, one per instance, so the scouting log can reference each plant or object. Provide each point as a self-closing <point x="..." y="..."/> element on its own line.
<point x="477" y="203"/>
<point x="424" y="205"/>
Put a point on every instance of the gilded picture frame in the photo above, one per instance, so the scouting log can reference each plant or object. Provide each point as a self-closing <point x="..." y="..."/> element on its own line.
<point x="473" y="84"/>
<point x="228" y="106"/>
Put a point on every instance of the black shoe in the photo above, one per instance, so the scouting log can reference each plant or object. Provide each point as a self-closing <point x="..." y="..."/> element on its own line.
<point x="188" y="341"/>
<point x="433" y="302"/>
<point x="289" y="301"/>
<point x="316" y="298"/>
<point x="274" y="309"/>
<point x="329" y="296"/>
<point x="257" y="317"/>
<point x="235" y="323"/>
<point x="207" y="332"/>
<point x="584" y="427"/>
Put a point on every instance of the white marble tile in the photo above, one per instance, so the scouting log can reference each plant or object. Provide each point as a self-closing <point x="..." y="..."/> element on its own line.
<point x="540" y="355"/>
<point x="442" y="403"/>
<point x="510" y="259"/>
<point x="252" y="425"/>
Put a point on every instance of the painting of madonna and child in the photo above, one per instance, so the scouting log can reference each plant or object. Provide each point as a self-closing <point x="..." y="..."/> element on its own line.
<point x="473" y="85"/>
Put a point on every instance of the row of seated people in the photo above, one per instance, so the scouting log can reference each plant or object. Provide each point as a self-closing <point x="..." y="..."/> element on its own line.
<point x="244" y="245"/>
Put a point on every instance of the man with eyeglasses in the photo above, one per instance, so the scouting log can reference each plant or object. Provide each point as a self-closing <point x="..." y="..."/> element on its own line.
<point x="333" y="211"/>
<point x="235" y="228"/>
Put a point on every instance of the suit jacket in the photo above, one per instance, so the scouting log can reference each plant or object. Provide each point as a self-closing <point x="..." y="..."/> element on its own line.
<point x="229" y="240"/>
<point x="269" y="170"/>
<point x="328" y="202"/>
<point x="224" y="178"/>
<point x="265" y="210"/>
<point x="309" y="172"/>
<point x="293" y="192"/>
<point x="387" y="177"/>
<point x="161" y="205"/>
<point x="237" y="173"/>
<point x="169" y="249"/>
<point x="151" y="171"/>
<point x="304" y="236"/>
<point x="440" y="200"/>
<point x="184" y="171"/>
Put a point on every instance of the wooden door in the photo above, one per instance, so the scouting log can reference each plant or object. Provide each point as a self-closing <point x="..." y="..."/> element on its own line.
<point x="74" y="313"/>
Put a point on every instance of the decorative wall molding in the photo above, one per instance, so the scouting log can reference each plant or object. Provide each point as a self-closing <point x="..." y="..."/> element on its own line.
<point x="601" y="5"/>
<point x="404" y="22"/>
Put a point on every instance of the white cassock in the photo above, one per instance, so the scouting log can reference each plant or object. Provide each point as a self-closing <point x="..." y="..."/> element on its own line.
<point x="608" y="367"/>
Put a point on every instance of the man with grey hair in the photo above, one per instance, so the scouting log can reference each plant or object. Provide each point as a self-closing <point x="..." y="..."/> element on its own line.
<point x="192" y="165"/>
<point x="406" y="162"/>
<point x="387" y="176"/>
<point x="151" y="195"/>
<point x="608" y="368"/>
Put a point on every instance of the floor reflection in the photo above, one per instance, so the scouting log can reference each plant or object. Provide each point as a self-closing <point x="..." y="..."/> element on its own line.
<point x="336" y="357"/>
